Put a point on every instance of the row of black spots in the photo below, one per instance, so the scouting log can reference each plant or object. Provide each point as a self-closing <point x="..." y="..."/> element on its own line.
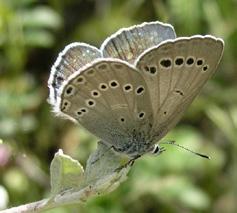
<point x="199" y="62"/>
<point x="95" y="93"/>
<point x="112" y="84"/>
<point x="180" y="61"/>
<point x="65" y="105"/>
<point x="80" y="112"/>
<point x="139" y="90"/>
<point x="127" y="87"/>
<point x="190" y="61"/>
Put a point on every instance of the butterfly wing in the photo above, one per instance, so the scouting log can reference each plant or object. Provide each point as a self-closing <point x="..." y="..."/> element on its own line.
<point x="103" y="97"/>
<point x="175" y="71"/>
<point x="128" y="43"/>
<point x="71" y="59"/>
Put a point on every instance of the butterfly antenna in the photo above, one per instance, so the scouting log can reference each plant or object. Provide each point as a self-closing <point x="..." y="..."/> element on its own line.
<point x="180" y="146"/>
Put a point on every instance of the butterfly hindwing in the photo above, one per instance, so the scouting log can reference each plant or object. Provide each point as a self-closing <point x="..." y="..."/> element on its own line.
<point x="109" y="98"/>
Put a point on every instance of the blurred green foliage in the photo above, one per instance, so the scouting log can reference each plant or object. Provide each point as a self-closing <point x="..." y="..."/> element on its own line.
<point x="32" y="32"/>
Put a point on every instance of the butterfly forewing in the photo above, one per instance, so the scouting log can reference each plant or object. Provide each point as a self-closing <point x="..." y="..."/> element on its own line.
<point x="128" y="43"/>
<point x="109" y="98"/>
<point x="175" y="71"/>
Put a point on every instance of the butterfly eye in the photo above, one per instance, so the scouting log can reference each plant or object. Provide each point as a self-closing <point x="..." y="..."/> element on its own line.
<point x="156" y="149"/>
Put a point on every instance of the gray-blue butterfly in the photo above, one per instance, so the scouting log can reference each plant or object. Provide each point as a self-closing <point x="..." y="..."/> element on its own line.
<point x="135" y="88"/>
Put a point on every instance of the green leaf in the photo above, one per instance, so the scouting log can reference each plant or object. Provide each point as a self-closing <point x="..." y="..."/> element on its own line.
<point x="65" y="173"/>
<point x="105" y="170"/>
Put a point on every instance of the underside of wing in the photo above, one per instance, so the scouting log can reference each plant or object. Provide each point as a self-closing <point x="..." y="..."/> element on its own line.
<point x="71" y="59"/>
<point x="109" y="98"/>
<point x="128" y="43"/>
<point x="175" y="71"/>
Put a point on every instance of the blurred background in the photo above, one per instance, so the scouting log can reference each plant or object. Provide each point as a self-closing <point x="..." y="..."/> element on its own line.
<point x="32" y="32"/>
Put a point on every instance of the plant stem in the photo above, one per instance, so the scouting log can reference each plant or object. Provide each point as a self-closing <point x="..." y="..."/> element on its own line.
<point x="37" y="206"/>
<point x="61" y="199"/>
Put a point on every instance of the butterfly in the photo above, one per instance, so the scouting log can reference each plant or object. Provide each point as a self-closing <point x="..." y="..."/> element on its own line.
<point x="136" y="87"/>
